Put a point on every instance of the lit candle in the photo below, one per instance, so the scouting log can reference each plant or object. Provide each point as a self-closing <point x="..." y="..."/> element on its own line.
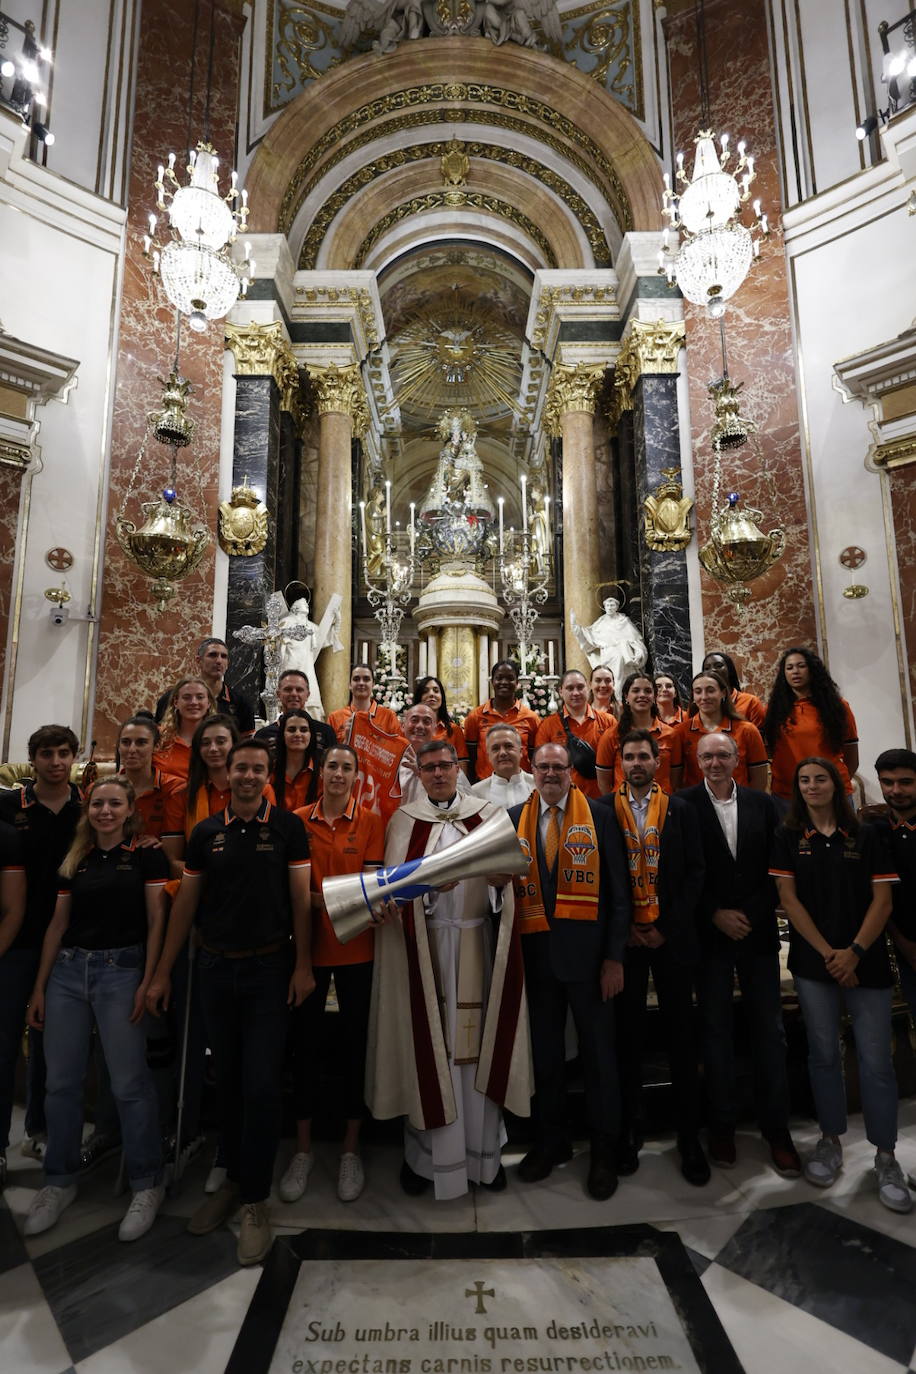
<point x="171" y="162"/>
<point x="413" y="525"/>
<point x="723" y="143"/>
<point x="152" y="224"/>
<point x="387" y="506"/>
<point x="524" y="486"/>
<point x="550" y="659"/>
<point x="500" y="503"/>
<point x="362" y="526"/>
<point x="365" y="651"/>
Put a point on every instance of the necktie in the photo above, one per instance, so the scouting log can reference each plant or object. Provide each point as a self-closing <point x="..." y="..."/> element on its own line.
<point x="552" y="838"/>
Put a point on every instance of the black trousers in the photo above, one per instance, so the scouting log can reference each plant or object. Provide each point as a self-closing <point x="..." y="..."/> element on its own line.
<point x="246" y="1016"/>
<point x="353" y="983"/>
<point x="548" y="1000"/>
<point x="674" y="988"/>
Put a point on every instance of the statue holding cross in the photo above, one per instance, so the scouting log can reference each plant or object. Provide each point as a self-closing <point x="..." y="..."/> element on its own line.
<point x="291" y="640"/>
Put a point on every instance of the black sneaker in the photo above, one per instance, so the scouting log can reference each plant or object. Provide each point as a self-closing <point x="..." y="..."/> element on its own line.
<point x="694" y="1164"/>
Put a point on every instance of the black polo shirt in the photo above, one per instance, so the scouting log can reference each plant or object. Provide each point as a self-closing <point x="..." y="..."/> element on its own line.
<point x="228" y="703"/>
<point x="833" y="880"/>
<point x="900" y="837"/>
<point x="108" y="896"/>
<point x="11" y="857"/>
<point x="321" y="731"/>
<point x="246" y="864"/>
<point x="45" y="838"/>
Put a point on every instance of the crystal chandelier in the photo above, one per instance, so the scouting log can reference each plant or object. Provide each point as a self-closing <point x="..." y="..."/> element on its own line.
<point x="712" y="252"/>
<point x="196" y="268"/>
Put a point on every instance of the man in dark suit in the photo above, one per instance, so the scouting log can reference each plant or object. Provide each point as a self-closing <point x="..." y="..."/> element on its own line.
<point x="574" y="914"/>
<point x="666" y="874"/>
<point x="738" y="933"/>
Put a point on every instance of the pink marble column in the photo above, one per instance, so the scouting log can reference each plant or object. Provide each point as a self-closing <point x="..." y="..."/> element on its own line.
<point x="141" y="651"/>
<point x="768" y="472"/>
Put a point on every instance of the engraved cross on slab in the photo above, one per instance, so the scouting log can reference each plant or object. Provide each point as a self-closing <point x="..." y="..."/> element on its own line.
<point x="271" y="637"/>
<point x="479" y="1292"/>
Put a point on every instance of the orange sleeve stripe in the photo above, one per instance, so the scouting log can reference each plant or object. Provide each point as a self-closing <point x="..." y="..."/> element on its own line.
<point x="781" y="873"/>
<point x="299" y="863"/>
<point x="13" y="868"/>
<point x="155" y="882"/>
<point x="885" y="877"/>
<point x="193" y="872"/>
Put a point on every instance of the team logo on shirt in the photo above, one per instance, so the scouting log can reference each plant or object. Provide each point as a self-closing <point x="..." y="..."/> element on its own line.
<point x="265" y="840"/>
<point x="218" y="843"/>
<point x="579" y="843"/>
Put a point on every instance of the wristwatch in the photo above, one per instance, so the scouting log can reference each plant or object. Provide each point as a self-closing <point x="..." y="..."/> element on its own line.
<point x="857" y="950"/>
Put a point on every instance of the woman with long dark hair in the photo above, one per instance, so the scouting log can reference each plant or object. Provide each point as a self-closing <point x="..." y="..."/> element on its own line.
<point x="601" y="690"/>
<point x="712" y="708"/>
<point x="296" y="776"/>
<point x="834" y="883"/>
<point x="98" y="956"/>
<point x="431" y="692"/>
<point x="638" y="712"/>
<point x="806" y="716"/>
<point x="668" y="699"/>
<point x="362" y="685"/>
<point x="745" y="703"/>
<point x="208" y="778"/>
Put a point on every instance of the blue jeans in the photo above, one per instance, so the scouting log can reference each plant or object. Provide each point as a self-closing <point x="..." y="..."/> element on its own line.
<point x="100" y="983"/>
<point x="758" y="976"/>
<point x="870" y="1009"/>
<point x="247" y="1018"/>
<point x="18" y="968"/>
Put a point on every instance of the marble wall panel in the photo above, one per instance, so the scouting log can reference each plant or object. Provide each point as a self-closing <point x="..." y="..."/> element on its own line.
<point x="665" y="610"/>
<point x="140" y="650"/>
<point x="11" y="480"/>
<point x="903" y="504"/>
<point x="308" y="488"/>
<point x="768" y="472"/>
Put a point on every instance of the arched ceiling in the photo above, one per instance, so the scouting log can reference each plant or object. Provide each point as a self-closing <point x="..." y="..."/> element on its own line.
<point x="355" y="174"/>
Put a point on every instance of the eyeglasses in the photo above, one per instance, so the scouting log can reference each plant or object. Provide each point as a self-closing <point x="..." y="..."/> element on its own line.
<point x="436" y="767"/>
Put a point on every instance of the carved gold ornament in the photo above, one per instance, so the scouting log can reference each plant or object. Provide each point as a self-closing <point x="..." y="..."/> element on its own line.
<point x="572" y="387"/>
<point x="242" y="523"/>
<point x="666" y="511"/>
<point x="340" y="391"/>
<point x="261" y="350"/>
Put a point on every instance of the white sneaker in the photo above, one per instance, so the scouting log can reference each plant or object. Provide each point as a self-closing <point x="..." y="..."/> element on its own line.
<point x="141" y="1213"/>
<point x="47" y="1205"/>
<point x="351" y="1180"/>
<point x="295" y="1181"/>
<point x="215" y="1178"/>
<point x="823" y="1166"/>
<point x="892" y="1189"/>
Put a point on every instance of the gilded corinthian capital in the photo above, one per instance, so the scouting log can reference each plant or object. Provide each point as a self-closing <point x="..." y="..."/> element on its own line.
<point x="260" y="350"/>
<point x="340" y="390"/>
<point x="649" y="347"/>
<point x="571" y="388"/>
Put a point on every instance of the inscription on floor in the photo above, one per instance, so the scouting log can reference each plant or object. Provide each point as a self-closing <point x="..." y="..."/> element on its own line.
<point x="520" y="1316"/>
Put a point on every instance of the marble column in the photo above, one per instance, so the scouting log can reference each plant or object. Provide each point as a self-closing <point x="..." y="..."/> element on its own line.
<point x="646" y="383"/>
<point x="266" y="393"/>
<point x="569" y="414"/>
<point x="342" y="413"/>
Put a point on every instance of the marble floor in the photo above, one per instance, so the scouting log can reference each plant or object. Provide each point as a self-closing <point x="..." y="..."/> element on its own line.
<point x="803" y="1281"/>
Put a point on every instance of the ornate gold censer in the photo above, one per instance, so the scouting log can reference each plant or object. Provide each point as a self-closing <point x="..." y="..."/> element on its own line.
<point x="738" y="551"/>
<point x="169" y="544"/>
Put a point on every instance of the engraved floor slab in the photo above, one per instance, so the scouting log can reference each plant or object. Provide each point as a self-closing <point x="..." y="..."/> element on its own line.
<point x="554" y="1303"/>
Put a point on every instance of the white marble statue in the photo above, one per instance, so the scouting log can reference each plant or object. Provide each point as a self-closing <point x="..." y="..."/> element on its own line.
<point x="612" y="641"/>
<point x="302" y="651"/>
<point x="512" y="21"/>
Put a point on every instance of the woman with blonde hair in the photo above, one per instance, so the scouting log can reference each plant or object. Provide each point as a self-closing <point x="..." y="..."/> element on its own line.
<point x="98" y="955"/>
<point x="190" y="703"/>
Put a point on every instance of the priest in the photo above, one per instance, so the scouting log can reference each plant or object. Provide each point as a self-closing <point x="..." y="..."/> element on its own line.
<point x="448" y="1038"/>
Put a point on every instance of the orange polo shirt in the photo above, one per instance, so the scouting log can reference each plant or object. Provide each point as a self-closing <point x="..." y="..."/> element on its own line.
<point x="668" y="752"/>
<point x="161" y="810"/>
<point x="802" y="734"/>
<point x="751" y="748"/>
<point x="383" y="716"/>
<point x="552" y="730"/>
<point x="218" y="799"/>
<point x="295" y="793"/>
<point x="455" y="737"/>
<point x="484" y="717"/>
<point x="356" y="840"/>
<point x="175" y="759"/>
<point x="751" y="707"/>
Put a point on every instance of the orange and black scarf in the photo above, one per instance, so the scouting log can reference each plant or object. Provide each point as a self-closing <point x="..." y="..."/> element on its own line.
<point x="642" y="854"/>
<point x="578" y="866"/>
